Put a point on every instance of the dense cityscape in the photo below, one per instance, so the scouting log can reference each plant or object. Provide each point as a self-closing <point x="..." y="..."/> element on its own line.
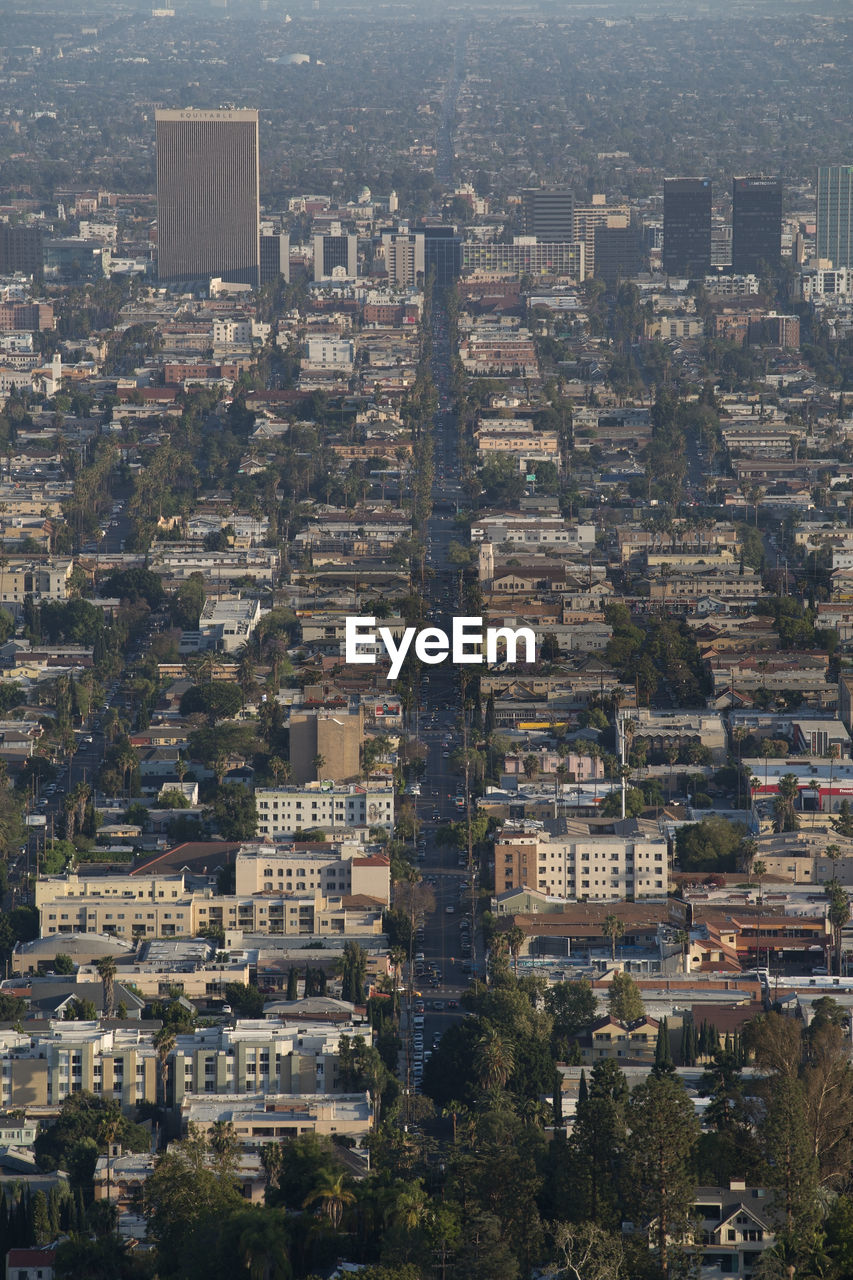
<point x="426" y="641"/>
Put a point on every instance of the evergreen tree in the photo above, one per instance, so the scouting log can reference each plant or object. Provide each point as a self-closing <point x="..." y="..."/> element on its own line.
<point x="663" y="1134"/>
<point x="557" y="1103"/>
<point x="489" y="719"/>
<point x="79" y="1210"/>
<point x="663" y="1054"/>
<point x="790" y="1166"/>
<point x="54" y="1212"/>
<point x="293" y="984"/>
<point x="597" y="1146"/>
<point x="39" y="1219"/>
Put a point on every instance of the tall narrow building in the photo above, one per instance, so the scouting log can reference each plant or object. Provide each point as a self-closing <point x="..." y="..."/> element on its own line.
<point x="548" y="215"/>
<point x="835" y="214"/>
<point x="208" y="197"/>
<point x="687" y="226"/>
<point x="756" y="224"/>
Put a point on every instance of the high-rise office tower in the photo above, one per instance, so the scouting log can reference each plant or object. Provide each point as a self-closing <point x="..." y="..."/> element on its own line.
<point x="20" y="249"/>
<point x="686" y="226"/>
<point x="208" y="199"/>
<point x="335" y="255"/>
<point x="275" y="256"/>
<point x="404" y="257"/>
<point x="442" y="254"/>
<point x="548" y="215"/>
<point x="835" y="214"/>
<point x="756" y="224"/>
<point x="617" y="254"/>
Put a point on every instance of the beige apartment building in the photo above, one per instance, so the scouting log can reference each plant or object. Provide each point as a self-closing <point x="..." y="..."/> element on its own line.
<point x="585" y="865"/>
<point x="66" y="905"/>
<point x="41" y="579"/>
<point x="340" y="868"/>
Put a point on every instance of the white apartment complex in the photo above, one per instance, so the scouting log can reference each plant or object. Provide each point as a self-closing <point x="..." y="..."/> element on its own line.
<point x="44" y="1066"/>
<point x="283" y="810"/>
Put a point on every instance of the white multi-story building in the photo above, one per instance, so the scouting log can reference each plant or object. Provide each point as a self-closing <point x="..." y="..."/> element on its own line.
<point x="283" y="810"/>
<point x="43" y="1067"/>
<point x="232" y="333"/>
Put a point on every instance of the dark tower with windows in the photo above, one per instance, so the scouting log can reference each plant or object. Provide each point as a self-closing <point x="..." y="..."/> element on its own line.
<point x="687" y="226"/>
<point x="756" y="224"/>
<point x="548" y="215"/>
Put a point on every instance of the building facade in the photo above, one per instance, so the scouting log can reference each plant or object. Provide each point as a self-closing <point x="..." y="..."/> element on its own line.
<point x="835" y="214"/>
<point x="584" y="867"/>
<point x="325" y="745"/>
<point x="687" y="226"/>
<point x="208" y="198"/>
<point x="335" y="256"/>
<point x="756" y="224"/>
<point x="283" y="810"/>
<point x="548" y="214"/>
<point x="527" y="255"/>
<point x="274" y="257"/>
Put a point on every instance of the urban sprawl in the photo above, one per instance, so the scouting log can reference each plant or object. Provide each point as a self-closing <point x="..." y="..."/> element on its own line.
<point x="426" y="643"/>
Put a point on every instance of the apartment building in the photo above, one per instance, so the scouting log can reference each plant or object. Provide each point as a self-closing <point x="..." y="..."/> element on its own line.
<point x="585" y="862"/>
<point x="283" y="810"/>
<point x="41" y="1068"/>
<point x="339" y="868"/>
<point x="41" y="579"/>
<point x="178" y="906"/>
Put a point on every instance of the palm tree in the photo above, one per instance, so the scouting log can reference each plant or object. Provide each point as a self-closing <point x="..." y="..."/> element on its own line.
<point x="331" y="1194"/>
<point x="398" y="957"/>
<point x="814" y="786"/>
<point x="595" y="753"/>
<point x="614" y="929"/>
<point x="263" y="1244"/>
<point x="493" y="1060"/>
<point x="318" y="763"/>
<point x="410" y="1206"/>
<point x="515" y="939"/>
<point x="452" y="1111"/>
<point x="833" y="852"/>
<point x="739" y="735"/>
<point x="277" y="769"/>
<point x="112" y="725"/>
<point x="682" y="937"/>
<point x="759" y="869"/>
<point x="106" y="967"/>
<point x="748" y="854"/>
<point x="164" y="1043"/>
<point x="219" y="764"/>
